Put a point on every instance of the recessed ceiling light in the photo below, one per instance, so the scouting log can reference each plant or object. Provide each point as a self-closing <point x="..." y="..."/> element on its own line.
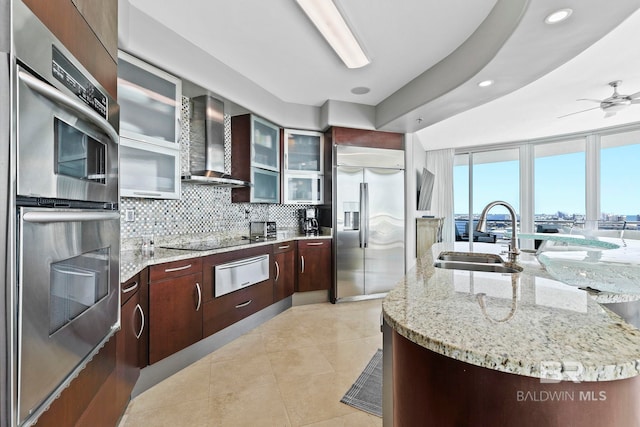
<point x="360" y="90"/>
<point x="485" y="83"/>
<point x="558" y="16"/>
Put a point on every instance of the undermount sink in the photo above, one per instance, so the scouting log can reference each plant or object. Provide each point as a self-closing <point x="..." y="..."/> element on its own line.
<point x="478" y="266"/>
<point x="471" y="257"/>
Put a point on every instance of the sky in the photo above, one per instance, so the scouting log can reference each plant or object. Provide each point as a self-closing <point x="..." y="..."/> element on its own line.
<point x="559" y="183"/>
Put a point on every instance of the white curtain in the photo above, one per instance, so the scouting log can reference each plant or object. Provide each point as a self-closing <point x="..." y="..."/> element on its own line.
<point x="440" y="163"/>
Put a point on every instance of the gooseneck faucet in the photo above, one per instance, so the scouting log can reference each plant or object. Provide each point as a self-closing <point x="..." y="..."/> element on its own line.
<point x="482" y="226"/>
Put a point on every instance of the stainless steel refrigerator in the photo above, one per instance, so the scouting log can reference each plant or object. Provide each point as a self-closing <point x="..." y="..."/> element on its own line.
<point x="369" y="217"/>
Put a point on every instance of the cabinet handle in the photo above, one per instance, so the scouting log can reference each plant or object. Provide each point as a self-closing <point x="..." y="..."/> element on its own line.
<point x="284" y="247"/>
<point x="171" y="270"/>
<point x="244" y="304"/>
<point x="130" y="288"/>
<point x="139" y="334"/>
<point x="146" y="193"/>
<point x="302" y="264"/>
<point x="199" y="296"/>
<point x="277" y="271"/>
<point x="315" y="244"/>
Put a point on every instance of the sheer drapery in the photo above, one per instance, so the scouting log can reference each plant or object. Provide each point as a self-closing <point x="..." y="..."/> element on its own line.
<point x="440" y="164"/>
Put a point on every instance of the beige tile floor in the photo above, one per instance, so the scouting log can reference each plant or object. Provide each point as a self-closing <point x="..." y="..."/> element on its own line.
<point x="290" y="371"/>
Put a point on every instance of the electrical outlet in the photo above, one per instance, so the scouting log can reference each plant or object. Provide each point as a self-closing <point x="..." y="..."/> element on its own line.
<point x="129" y="215"/>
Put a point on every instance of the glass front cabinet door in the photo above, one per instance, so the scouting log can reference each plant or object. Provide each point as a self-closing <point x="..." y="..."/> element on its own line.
<point x="150" y="102"/>
<point x="303" y="167"/>
<point x="265" y="144"/>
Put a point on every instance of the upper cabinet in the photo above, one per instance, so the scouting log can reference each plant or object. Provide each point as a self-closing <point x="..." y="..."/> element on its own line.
<point x="255" y="157"/>
<point x="150" y="109"/>
<point x="303" y="151"/>
<point x="303" y="167"/>
<point x="150" y="102"/>
<point x="265" y="144"/>
<point x="88" y="28"/>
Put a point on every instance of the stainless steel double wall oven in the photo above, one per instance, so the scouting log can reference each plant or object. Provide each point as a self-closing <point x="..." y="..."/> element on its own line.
<point x="66" y="223"/>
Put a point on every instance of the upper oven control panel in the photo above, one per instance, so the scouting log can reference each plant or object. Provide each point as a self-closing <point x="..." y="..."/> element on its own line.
<point x="66" y="73"/>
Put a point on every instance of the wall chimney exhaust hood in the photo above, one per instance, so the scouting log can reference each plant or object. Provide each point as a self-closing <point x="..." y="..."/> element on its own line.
<point x="206" y="150"/>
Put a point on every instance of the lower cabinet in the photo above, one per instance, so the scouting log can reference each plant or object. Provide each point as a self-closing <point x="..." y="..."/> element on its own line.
<point x="132" y="328"/>
<point x="314" y="265"/>
<point x="226" y="309"/>
<point x="90" y="398"/>
<point x="230" y="308"/>
<point x="175" y="307"/>
<point x="284" y="261"/>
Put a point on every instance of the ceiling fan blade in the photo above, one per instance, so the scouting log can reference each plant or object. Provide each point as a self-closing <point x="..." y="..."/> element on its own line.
<point x="590" y="99"/>
<point x="634" y="95"/>
<point x="577" y="112"/>
<point x="635" y="101"/>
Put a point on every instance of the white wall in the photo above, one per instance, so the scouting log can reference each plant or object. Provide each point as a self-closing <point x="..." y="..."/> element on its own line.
<point x="415" y="160"/>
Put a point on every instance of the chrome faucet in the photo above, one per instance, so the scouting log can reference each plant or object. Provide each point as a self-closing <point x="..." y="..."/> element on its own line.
<point x="482" y="227"/>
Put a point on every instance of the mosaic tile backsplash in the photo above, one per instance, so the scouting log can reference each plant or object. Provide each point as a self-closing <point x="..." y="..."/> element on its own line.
<point x="202" y="209"/>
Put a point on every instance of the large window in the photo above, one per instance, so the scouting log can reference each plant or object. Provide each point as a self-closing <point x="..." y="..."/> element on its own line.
<point x="493" y="175"/>
<point x="563" y="184"/>
<point x="620" y="181"/>
<point x="559" y="185"/>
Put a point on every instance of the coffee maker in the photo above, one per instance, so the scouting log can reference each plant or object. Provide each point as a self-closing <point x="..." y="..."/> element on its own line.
<point x="309" y="222"/>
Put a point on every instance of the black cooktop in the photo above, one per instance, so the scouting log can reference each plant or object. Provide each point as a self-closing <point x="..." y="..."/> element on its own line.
<point x="206" y="245"/>
<point x="209" y="245"/>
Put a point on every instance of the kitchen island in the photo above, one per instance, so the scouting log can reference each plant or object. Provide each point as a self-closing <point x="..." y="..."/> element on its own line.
<point x="483" y="348"/>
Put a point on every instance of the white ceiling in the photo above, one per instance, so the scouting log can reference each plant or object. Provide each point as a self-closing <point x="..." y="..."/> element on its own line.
<point x="427" y="57"/>
<point x="533" y="112"/>
<point x="275" y="45"/>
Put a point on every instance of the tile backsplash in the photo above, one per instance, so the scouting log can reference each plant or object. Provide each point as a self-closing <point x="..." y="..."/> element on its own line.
<point x="201" y="209"/>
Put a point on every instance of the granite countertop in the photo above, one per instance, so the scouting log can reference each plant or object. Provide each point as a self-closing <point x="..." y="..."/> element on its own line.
<point x="133" y="261"/>
<point x="526" y="323"/>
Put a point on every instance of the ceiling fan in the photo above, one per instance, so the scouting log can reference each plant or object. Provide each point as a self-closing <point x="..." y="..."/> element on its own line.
<point x="611" y="105"/>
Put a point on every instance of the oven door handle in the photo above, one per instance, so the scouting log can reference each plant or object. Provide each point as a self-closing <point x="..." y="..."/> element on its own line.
<point x="44" y="217"/>
<point x="77" y="106"/>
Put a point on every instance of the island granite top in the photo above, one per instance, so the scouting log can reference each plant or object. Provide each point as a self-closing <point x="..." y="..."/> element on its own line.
<point x="524" y="323"/>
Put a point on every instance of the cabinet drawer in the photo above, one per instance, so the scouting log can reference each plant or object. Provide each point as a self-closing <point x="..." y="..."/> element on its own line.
<point x="129" y="288"/>
<point x="316" y="243"/>
<point x="228" y="309"/>
<point x="175" y="269"/>
<point x="284" y="247"/>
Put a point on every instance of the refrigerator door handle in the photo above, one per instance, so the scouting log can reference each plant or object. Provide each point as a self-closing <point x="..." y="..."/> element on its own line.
<point x="364" y="215"/>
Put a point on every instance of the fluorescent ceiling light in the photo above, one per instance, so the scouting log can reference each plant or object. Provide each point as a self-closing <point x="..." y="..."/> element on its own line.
<point x="325" y="16"/>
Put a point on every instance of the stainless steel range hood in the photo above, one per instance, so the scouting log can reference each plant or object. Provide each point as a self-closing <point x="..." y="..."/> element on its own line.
<point x="206" y="150"/>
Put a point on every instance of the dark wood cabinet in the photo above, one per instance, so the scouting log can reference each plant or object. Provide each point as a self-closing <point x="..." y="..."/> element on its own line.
<point x="89" y="30"/>
<point x="223" y="311"/>
<point x="367" y="138"/>
<point x="230" y="308"/>
<point x="102" y="17"/>
<point x="255" y="157"/>
<point x="89" y="399"/>
<point x="284" y="261"/>
<point x="314" y="265"/>
<point x="175" y="307"/>
<point x="132" y="328"/>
